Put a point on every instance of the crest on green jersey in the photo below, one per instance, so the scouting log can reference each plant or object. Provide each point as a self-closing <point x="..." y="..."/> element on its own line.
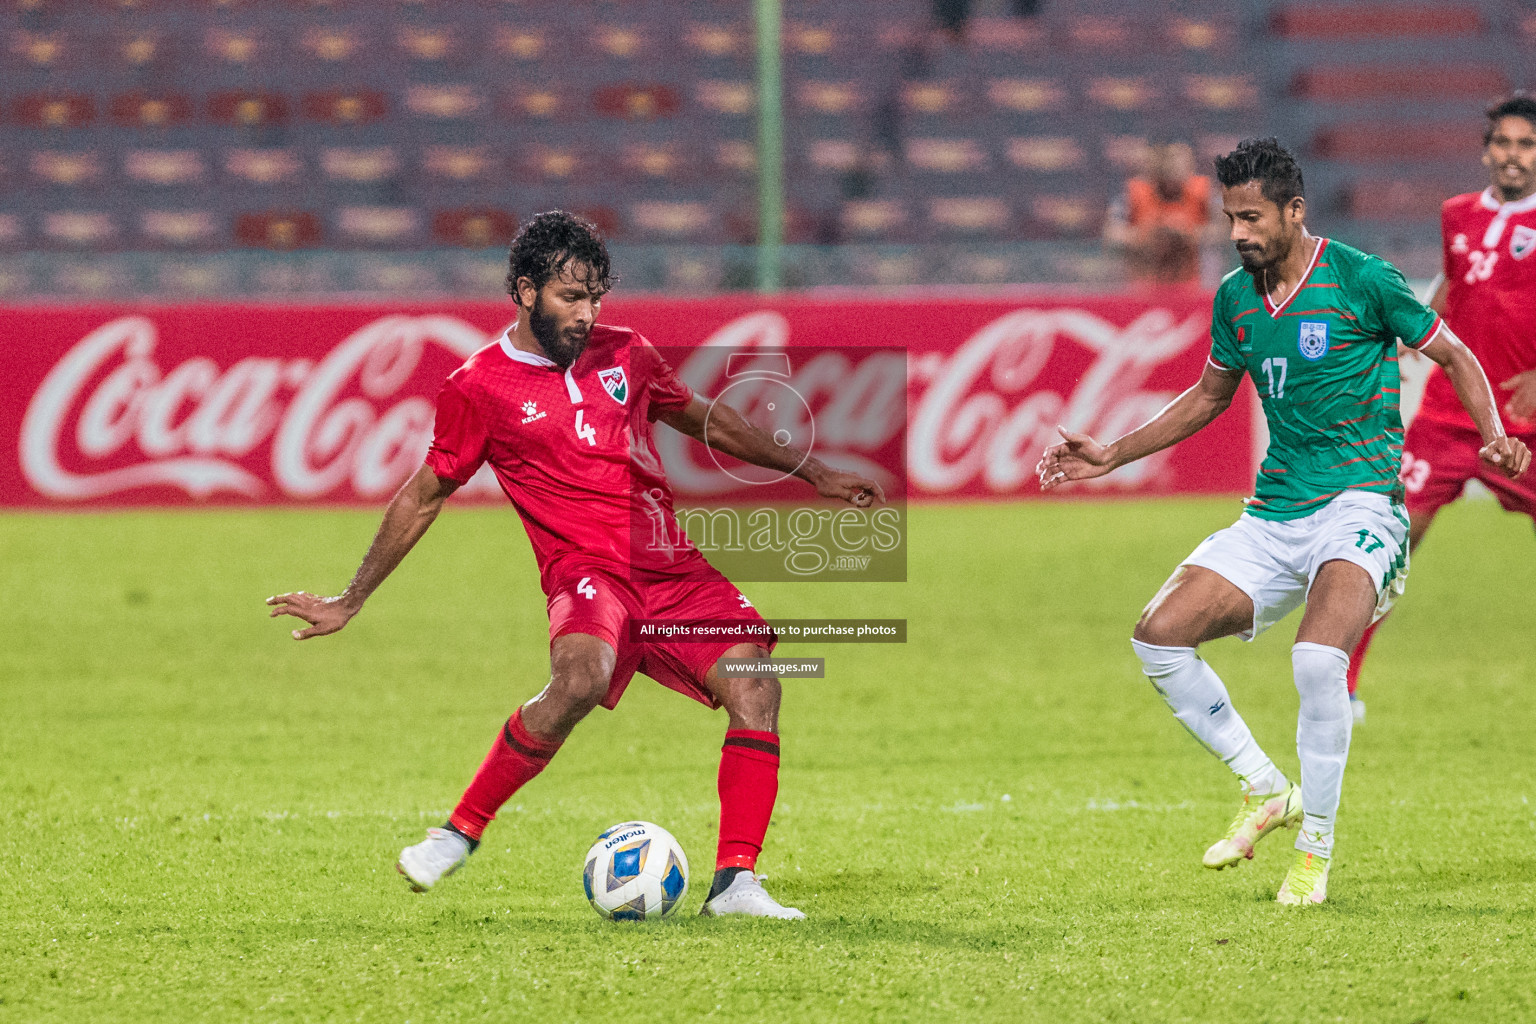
<point x="615" y="383"/>
<point x="1314" y="340"/>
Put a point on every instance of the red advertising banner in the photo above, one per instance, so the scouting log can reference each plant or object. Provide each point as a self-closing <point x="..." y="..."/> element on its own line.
<point x="272" y="404"/>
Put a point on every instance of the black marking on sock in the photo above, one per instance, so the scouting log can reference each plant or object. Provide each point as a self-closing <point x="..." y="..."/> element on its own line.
<point x="474" y="844"/>
<point x="722" y="882"/>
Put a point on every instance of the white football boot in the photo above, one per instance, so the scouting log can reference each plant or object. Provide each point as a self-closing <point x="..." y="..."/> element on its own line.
<point x="433" y="859"/>
<point x="746" y="895"/>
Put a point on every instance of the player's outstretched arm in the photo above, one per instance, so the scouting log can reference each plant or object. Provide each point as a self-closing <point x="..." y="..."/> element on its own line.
<point x="1466" y="374"/>
<point x="1080" y="457"/>
<point x="410" y="512"/>
<point x="731" y="433"/>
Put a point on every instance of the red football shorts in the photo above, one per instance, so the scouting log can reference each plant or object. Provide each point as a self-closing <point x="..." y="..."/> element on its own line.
<point x="602" y="604"/>
<point x="1438" y="460"/>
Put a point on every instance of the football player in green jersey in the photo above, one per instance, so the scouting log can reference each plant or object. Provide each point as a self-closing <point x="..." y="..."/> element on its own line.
<point x="1315" y="323"/>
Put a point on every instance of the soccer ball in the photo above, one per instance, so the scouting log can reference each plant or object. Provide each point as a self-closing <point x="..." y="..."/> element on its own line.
<point x="635" y="871"/>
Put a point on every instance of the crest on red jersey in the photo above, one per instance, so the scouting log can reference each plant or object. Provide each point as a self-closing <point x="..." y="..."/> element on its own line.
<point x="615" y="383"/>
<point x="1522" y="242"/>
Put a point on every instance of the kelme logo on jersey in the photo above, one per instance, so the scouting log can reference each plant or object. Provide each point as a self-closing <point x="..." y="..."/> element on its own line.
<point x="615" y="383"/>
<point x="1522" y="241"/>
<point x="1314" y="340"/>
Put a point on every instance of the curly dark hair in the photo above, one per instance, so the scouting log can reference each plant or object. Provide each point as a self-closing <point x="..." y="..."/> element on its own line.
<point x="552" y="240"/>
<point x="1520" y="104"/>
<point x="1266" y="162"/>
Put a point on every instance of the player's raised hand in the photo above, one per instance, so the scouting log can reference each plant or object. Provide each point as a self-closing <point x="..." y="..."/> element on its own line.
<point x="849" y="487"/>
<point x="324" y="614"/>
<point x="1079" y="457"/>
<point x="1521" y="404"/>
<point x="1509" y="454"/>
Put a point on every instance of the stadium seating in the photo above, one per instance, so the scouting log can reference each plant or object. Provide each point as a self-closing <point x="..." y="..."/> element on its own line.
<point x="201" y="124"/>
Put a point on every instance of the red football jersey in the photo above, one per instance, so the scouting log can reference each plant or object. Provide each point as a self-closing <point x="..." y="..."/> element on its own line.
<point x="1490" y="301"/>
<point x="573" y="450"/>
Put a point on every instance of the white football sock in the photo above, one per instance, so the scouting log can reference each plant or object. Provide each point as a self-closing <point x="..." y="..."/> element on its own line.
<point x="1322" y="739"/>
<point x="1200" y="701"/>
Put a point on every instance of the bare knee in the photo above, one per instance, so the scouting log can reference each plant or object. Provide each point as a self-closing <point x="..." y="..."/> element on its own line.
<point x="1161" y="631"/>
<point x="753" y="702"/>
<point x="580" y="668"/>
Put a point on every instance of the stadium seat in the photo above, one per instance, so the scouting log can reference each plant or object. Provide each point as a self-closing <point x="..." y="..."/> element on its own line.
<point x="1067" y="215"/>
<point x="1375" y="141"/>
<point x="522" y="43"/>
<point x="427" y="44"/>
<point x="1221" y="92"/>
<point x="716" y="40"/>
<point x="231" y="46"/>
<point x="361" y="165"/>
<point x="455" y="102"/>
<point x="66" y="169"/>
<point x="1007" y="35"/>
<point x="1127" y="153"/>
<point x="1418" y="81"/>
<point x="974" y="216"/>
<point x="934" y="99"/>
<point x="151" y="110"/>
<point x="1391" y="199"/>
<point x="1123" y="93"/>
<point x="1338" y="21"/>
<point x="474" y="227"/>
<point x="333" y="44"/>
<point x="673" y="220"/>
<point x="885" y="220"/>
<point x="44" y="49"/>
<point x="813" y="39"/>
<point x="1114" y="34"/>
<point x="829" y="98"/>
<point x="178" y="228"/>
<point x="55" y="110"/>
<point x="248" y="108"/>
<point x="338" y="106"/>
<point x="458" y="163"/>
<point x="165" y="167"/>
<point x="1026" y="95"/>
<point x="273" y="166"/>
<point x="13" y="231"/>
<point x="80" y="229"/>
<point x="1044" y="153"/>
<point x="622" y="42"/>
<point x="279" y="229"/>
<point x="655" y="161"/>
<point x="636" y="102"/>
<point x="377" y="226"/>
<point x="947" y="155"/>
<point x="538" y="102"/>
<point x="552" y="163"/>
<point x="732" y="97"/>
<point x="735" y="157"/>
<point x="1204" y="34"/>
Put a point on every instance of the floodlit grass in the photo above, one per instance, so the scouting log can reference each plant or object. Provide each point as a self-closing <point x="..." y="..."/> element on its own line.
<point x="998" y="820"/>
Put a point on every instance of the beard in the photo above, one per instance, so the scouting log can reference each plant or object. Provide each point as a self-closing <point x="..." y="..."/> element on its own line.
<point x="563" y="347"/>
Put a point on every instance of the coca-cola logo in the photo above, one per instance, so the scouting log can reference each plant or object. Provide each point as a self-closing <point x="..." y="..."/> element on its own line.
<point x="109" y="418"/>
<point x="845" y="405"/>
<point x="985" y="413"/>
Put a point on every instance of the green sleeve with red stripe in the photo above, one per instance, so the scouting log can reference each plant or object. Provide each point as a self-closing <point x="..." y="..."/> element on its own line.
<point x="1394" y="310"/>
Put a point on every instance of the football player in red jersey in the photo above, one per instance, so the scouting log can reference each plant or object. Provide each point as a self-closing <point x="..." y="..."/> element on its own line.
<point x="561" y="408"/>
<point x="1488" y="296"/>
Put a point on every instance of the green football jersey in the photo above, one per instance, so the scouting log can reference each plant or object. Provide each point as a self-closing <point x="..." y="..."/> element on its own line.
<point x="1325" y="365"/>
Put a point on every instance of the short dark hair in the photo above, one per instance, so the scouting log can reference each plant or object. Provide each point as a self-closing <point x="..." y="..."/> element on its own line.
<point x="1519" y="104"/>
<point x="550" y="241"/>
<point x="1266" y="162"/>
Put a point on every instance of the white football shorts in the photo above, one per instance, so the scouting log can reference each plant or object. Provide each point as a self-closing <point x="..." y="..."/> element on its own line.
<point x="1275" y="561"/>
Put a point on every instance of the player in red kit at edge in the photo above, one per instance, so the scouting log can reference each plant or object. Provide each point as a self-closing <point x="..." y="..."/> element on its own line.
<point x="1488" y="296"/>
<point x="561" y="408"/>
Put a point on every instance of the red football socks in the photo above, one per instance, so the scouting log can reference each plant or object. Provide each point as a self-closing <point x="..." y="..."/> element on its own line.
<point x="1358" y="657"/>
<point x="515" y="758"/>
<point x="749" y="784"/>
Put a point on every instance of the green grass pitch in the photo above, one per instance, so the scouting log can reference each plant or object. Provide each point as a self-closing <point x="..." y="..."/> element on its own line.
<point x="996" y="821"/>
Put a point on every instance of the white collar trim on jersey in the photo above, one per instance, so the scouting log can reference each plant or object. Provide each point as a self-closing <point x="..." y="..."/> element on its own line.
<point x="513" y="352"/>
<point x="1491" y="202"/>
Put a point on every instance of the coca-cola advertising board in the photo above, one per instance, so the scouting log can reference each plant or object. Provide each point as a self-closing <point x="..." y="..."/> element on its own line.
<point x="278" y="404"/>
